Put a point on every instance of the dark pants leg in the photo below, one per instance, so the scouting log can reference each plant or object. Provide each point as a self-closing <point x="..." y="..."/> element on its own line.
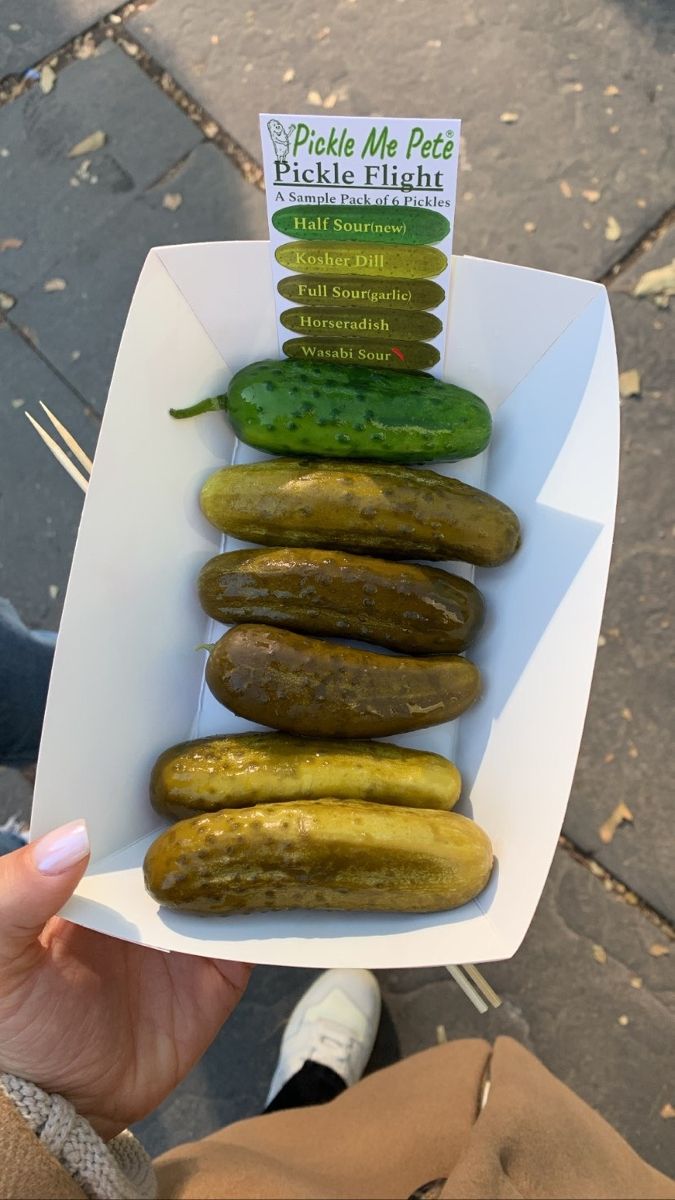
<point x="312" y="1084"/>
<point x="25" y="665"/>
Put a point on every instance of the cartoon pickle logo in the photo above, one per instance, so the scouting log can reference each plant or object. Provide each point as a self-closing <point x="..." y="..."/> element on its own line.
<point x="280" y="138"/>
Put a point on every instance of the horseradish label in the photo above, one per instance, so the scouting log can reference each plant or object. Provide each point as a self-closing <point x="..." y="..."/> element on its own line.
<point x="361" y="215"/>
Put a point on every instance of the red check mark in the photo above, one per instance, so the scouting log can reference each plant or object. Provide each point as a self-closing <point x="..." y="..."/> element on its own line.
<point x="395" y="350"/>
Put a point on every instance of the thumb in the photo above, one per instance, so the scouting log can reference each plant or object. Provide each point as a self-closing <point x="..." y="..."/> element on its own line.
<point x="35" y="882"/>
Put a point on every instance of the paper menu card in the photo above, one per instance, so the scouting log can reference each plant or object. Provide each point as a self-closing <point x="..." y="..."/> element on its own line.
<point x="361" y="217"/>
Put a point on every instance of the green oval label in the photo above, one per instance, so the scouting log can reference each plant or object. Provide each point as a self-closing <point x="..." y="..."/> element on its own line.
<point x="345" y="292"/>
<point x="351" y="258"/>
<point x="400" y="355"/>
<point x="399" y="225"/>
<point x="348" y="323"/>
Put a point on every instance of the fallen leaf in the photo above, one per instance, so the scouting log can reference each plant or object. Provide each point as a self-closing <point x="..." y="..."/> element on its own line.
<point x="323" y="33"/>
<point x="591" y="195"/>
<point x="54" y="285"/>
<point x="92" y="142"/>
<point x="633" y="752"/>
<point x="629" y="383"/>
<point x="288" y="76"/>
<point x="209" y="129"/>
<point x="614" y="128"/>
<point x="530" y="227"/>
<point x="434" y="43"/>
<point x="86" y="48"/>
<point x="214" y="39"/>
<point x="627" y="714"/>
<point x="172" y="201"/>
<point x="18" y="403"/>
<point x="508" y="118"/>
<point x="641" y="203"/>
<point x="657" y="950"/>
<point x="568" y="88"/>
<point x="609" y="827"/>
<point x="6" y="301"/>
<point x="565" y="189"/>
<point x="612" y="90"/>
<point x="658" y="283"/>
<point x="331" y="100"/>
<point x="623" y="1019"/>
<point x="315" y="99"/>
<point x="667" y="1111"/>
<point x="47" y="79"/>
<point x="609" y="758"/>
<point x="612" y="230"/>
<point x="599" y="954"/>
<point x="11" y="244"/>
<point x="130" y="47"/>
<point x="53" y="590"/>
<point x="635" y="981"/>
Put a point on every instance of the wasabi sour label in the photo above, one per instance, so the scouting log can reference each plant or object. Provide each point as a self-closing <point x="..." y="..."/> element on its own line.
<point x="361" y="216"/>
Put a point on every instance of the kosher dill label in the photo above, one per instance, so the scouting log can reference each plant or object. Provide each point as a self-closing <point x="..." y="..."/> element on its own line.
<point x="361" y="217"/>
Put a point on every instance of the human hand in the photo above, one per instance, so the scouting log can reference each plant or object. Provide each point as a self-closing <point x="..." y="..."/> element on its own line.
<point x="111" y="1026"/>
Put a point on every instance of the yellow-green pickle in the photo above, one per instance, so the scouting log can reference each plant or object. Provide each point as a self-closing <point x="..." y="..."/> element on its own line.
<point x="325" y="854"/>
<point x="243" y="769"/>
<point x="381" y="509"/>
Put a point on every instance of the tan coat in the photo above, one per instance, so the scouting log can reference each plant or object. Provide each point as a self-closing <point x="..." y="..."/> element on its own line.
<point x="397" y="1130"/>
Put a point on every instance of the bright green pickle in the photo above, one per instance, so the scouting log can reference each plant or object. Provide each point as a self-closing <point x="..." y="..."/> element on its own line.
<point x="342" y="410"/>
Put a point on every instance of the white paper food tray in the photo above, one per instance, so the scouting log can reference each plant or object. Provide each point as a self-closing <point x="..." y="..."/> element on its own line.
<point x="127" y="681"/>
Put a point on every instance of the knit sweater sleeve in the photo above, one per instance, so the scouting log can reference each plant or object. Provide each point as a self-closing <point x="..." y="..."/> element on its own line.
<point x="49" y="1151"/>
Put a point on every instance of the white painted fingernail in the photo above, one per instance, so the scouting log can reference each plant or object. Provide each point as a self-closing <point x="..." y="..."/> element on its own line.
<point x="62" y="848"/>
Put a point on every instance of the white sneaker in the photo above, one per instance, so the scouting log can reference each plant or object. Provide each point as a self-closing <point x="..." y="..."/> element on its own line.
<point x="335" y="1023"/>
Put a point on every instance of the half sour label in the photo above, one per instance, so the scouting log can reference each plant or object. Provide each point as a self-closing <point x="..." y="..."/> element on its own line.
<point x="361" y="216"/>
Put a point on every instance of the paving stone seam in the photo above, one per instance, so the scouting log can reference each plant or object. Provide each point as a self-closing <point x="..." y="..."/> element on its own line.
<point x="79" y="47"/>
<point x="635" y="252"/>
<point x="111" y="28"/>
<point x="27" y="336"/>
<point x="620" y="889"/>
<point x="212" y="130"/>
